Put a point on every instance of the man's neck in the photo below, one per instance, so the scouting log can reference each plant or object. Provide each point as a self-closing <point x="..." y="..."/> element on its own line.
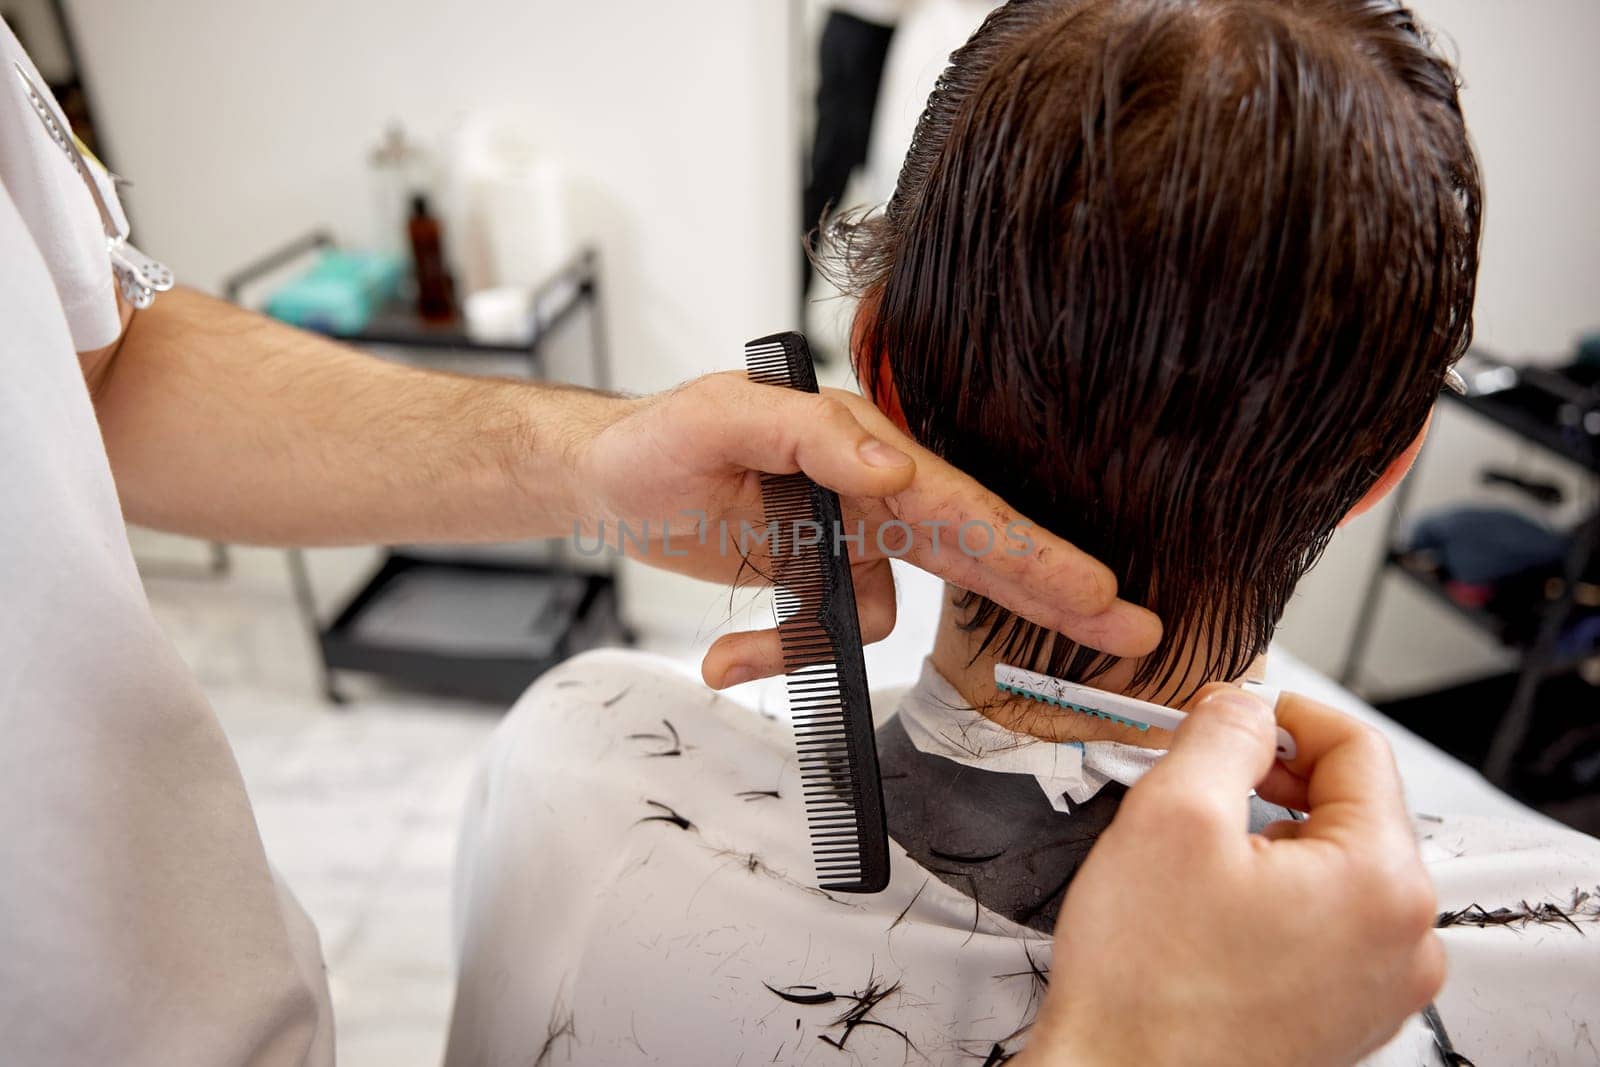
<point x="955" y="656"/>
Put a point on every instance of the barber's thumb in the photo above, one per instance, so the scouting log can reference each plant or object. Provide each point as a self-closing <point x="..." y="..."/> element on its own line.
<point x="828" y="442"/>
<point x="1228" y="740"/>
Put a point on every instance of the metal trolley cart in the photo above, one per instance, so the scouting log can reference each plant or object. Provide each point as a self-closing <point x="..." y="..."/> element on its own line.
<point x="1549" y="409"/>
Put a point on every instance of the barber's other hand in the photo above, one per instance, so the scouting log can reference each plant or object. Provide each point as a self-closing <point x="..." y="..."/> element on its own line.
<point x="703" y="446"/>
<point x="1184" y="939"/>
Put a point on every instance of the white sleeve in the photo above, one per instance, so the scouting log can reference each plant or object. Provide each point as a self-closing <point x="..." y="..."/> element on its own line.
<point x="56" y="206"/>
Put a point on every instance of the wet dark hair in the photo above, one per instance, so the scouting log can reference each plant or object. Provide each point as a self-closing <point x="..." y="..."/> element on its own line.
<point x="1179" y="279"/>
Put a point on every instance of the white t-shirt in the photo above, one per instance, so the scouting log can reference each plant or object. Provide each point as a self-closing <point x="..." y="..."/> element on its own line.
<point x="634" y="885"/>
<point x="139" y="921"/>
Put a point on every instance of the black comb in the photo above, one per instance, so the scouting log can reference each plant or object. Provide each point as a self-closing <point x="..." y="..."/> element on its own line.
<point x="821" y="636"/>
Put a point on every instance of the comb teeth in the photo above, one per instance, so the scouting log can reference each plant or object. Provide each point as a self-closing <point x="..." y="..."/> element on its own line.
<point x="1083" y="708"/>
<point x="767" y="362"/>
<point x="783" y="360"/>
<point x="826" y="675"/>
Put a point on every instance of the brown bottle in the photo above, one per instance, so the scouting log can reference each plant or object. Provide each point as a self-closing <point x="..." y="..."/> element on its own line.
<point x="436" y="290"/>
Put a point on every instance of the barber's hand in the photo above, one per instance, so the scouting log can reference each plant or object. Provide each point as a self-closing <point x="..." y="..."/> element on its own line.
<point x="1185" y="939"/>
<point x="702" y="448"/>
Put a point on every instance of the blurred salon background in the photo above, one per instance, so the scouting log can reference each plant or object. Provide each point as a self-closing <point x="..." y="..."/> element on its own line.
<point x="614" y="193"/>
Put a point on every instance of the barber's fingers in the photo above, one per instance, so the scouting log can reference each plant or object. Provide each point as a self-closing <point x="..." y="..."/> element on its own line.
<point x="1218" y="754"/>
<point x="1343" y="775"/>
<point x="742" y="657"/>
<point x="952" y="527"/>
<point x="1006" y="557"/>
<point x="1282" y="830"/>
<point x="736" y="658"/>
<point x="908" y="503"/>
<point x="751" y="654"/>
<point x="948" y="524"/>
<point x="1429" y="971"/>
<point x="743" y="424"/>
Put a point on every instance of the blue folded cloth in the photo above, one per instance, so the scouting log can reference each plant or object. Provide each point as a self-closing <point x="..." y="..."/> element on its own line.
<point x="1484" y="545"/>
<point x="339" y="293"/>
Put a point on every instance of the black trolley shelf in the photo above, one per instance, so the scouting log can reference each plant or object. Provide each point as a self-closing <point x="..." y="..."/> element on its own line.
<point x="1536" y="405"/>
<point x="459" y="620"/>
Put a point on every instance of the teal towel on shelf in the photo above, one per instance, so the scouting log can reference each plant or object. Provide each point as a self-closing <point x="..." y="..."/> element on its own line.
<point x="339" y="293"/>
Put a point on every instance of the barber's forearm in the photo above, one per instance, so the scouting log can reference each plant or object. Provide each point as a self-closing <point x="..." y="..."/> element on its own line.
<point x="224" y="424"/>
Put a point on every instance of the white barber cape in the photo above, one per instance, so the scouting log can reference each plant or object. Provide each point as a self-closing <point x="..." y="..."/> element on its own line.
<point x="633" y="886"/>
<point x="139" y="921"/>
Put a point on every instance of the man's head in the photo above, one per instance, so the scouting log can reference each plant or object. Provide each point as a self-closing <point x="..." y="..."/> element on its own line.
<point x="1180" y="279"/>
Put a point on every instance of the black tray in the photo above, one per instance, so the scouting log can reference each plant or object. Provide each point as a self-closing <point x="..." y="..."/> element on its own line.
<point x="552" y="614"/>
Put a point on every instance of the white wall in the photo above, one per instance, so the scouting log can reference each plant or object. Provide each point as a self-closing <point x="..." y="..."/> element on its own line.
<point x="35" y="24"/>
<point x="1532" y="103"/>
<point x="1533" y="106"/>
<point x="243" y="124"/>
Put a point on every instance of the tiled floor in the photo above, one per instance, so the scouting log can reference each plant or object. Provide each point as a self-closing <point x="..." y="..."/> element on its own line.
<point x="359" y="812"/>
<point x="358" y="806"/>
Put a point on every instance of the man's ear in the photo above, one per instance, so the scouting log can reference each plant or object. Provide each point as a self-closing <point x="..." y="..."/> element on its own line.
<point x="865" y="354"/>
<point x="1391" y="476"/>
<point x="861" y="330"/>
